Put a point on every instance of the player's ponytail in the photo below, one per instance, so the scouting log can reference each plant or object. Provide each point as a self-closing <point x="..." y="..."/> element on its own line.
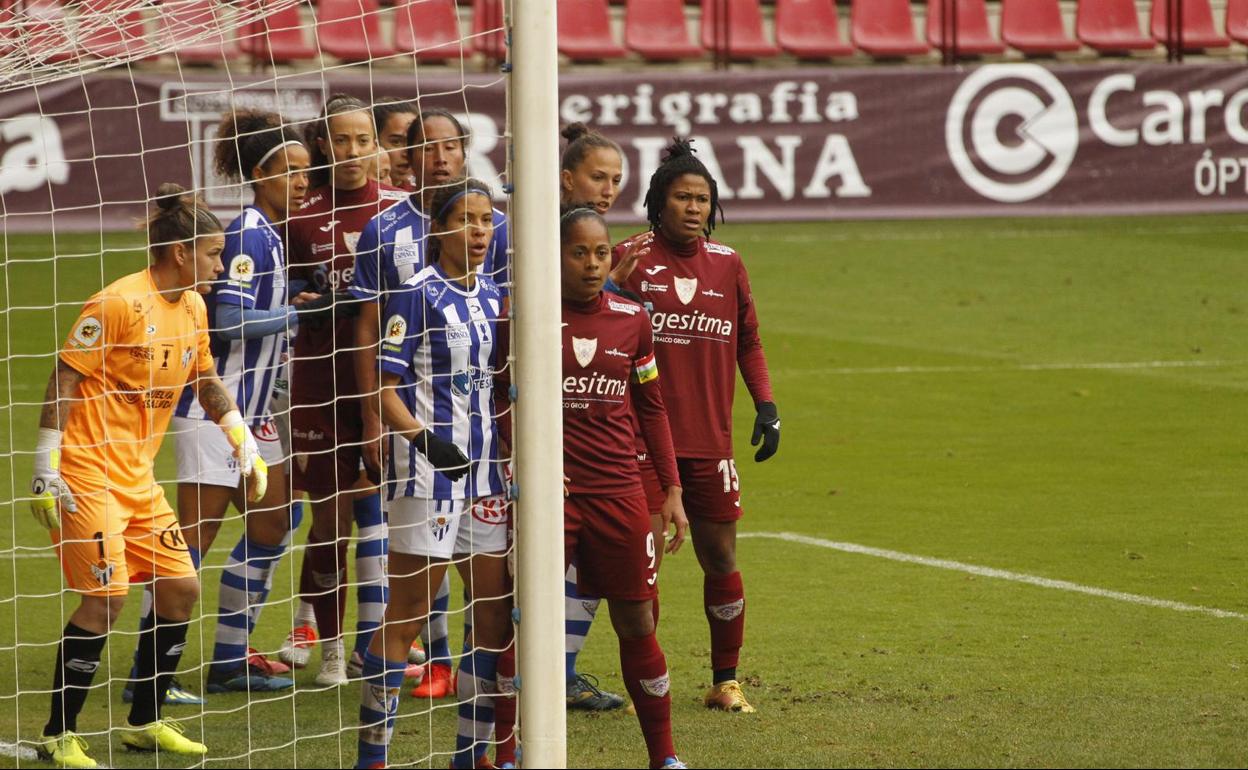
<point x="178" y="216"/>
<point x="247" y="139"/>
<point x="321" y="171"/>
<point x="440" y="207"/>
<point x="678" y="161"/>
<point x="581" y="140"/>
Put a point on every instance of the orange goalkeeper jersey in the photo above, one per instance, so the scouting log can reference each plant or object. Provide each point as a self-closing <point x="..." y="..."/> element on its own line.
<point x="137" y="351"/>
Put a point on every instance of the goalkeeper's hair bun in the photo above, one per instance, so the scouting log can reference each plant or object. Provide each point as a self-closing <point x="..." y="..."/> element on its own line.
<point x="178" y="216"/>
<point x="581" y="140"/>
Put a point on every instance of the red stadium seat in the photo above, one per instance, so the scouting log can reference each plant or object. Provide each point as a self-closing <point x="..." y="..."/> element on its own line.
<point x="884" y="28"/>
<point x="810" y="29"/>
<point x="487" y="29"/>
<point x="1035" y="27"/>
<point x="1198" y="30"/>
<point x="351" y="29"/>
<point x="1237" y="20"/>
<point x="183" y="24"/>
<point x="656" y="29"/>
<point x="585" y="31"/>
<point x="430" y="28"/>
<point x="972" y="34"/>
<point x="43" y="32"/>
<point x="277" y="38"/>
<point x="734" y="28"/>
<point x="115" y="28"/>
<point x="1110" y="26"/>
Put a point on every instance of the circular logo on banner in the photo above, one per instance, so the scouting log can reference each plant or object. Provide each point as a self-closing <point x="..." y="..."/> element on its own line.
<point x="1012" y="131"/>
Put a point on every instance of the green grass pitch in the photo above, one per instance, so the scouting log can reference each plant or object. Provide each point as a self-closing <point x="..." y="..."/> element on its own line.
<point x="1063" y="399"/>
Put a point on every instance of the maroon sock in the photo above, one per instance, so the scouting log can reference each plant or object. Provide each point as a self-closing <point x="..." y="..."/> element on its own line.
<point x="327" y="564"/>
<point x="725" y="611"/>
<point x="505" y="709"/>
<point x="645" y="676"/>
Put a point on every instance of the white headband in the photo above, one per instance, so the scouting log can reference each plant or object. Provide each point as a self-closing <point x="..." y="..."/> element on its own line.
<point x="269" y="154"/>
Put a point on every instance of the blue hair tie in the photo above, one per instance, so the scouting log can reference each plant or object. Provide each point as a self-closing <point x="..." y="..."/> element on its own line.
<point x="446" y="207"/>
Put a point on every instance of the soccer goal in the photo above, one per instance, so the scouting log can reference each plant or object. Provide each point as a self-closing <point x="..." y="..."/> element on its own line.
<point x="103" y="101"/>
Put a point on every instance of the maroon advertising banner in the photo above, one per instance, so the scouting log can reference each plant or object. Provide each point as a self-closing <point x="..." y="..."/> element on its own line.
<point x="825" y="143"/>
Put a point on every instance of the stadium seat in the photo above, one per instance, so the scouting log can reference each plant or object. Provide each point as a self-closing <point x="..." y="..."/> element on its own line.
<point x="351" y="29"/>
<point x="1035" y="27"/>
<point x="183" y="24"/>
<point x="44" y="31"/>
<point x="430" y="28"/>
<point x="1110" y="26"/>
<point x="972" y="35"/>
<point x="277" y="38"/>
<point x="656" y="29"/>
<point x="884" y="28"/>
<point x="585" y="31"/>
<point x="1237" y="20"/>
<point x="734" y="28"/>
<point x="487" y="29"/>
<point x="116" y="27"/>
<point x="1198" y="30"/>
<point x="810" y="29"/>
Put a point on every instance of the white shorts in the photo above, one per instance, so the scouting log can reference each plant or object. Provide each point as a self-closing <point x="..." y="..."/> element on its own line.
<point x="205" y="456"/>
<point x="439" y="529"/>
<point x="279" y="408"/>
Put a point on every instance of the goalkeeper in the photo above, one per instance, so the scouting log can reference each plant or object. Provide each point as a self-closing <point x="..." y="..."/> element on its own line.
<point x="108" y="402"/>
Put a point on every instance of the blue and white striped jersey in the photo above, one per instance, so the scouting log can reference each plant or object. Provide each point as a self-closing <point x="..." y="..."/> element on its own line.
<point x="255" y="278"/>
<point x="442" y="340"/>
<point x="391" y="250"/>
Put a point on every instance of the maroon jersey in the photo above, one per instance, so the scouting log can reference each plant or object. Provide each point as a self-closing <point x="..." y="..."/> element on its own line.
<point x="704" y="328"/>
<point x="608" y="371"/>
<point x="320" y="246"/>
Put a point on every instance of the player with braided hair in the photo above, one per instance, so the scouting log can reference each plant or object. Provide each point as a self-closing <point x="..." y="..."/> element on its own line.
<point x="705" y="329"/>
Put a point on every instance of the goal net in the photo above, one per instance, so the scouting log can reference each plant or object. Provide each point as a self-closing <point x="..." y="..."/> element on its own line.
<point x="102" y="101"/>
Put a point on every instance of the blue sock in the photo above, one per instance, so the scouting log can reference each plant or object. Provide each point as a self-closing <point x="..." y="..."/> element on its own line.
<point x="466" y="648"/>
<point x="477" y="687"/>
<point x="379" y="704"/>
<point x="437" y="636"/>
<point x="244" y="588"/>
<point x="578" y="614"/>
<point x="373" y="590"/>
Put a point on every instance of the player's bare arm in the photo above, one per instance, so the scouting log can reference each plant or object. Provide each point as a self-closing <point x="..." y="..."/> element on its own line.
<point x="221" y="409"/>
<point x="59" y="396"/>
<point x="367" y="337"/>
<point x="213" y="396"/>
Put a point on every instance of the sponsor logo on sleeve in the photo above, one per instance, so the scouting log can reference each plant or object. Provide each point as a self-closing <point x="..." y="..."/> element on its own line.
<point x="623" y="307"/>
<point x="88" y="332"/>
<point x="396" y="330"/>
<point x="686" y="289"/>
<point x="242" y="269"/>
<point x="584" y="350"/>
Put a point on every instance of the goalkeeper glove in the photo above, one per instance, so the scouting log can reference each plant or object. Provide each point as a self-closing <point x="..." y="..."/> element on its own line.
<point x="247" y="452"/>
<point x="46" y="485"/>
<point x="767" y="430"/>
<point x="442" y="454"/>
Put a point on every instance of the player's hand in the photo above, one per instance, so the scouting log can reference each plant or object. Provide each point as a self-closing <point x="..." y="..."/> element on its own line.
<point x="247" y="453"/>
<point x="673" y="512"/>
<point x="47" y="488"/>
<point x="628" y="260"/>
<point x="442" y="454"/>
<point x="767" y="430"/>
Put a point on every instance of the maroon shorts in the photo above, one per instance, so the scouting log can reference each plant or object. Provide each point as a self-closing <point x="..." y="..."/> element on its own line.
<point x="655" y="496"/>
<point x="610" y="541"/>
<point x="712" y="491"/>
<point x="328" y="446"/>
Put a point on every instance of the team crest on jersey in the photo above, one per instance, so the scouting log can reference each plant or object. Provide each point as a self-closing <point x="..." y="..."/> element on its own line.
<point x="186" y="356"/>
<point x="686" y="289"/>
<point x="242" y="268"/>
<point x="103" y="572"/>
<point x="584" y="350"/>
<point x="396" y="329"/>
<point x="350" y="239"/>
<point x="88" y="331"/>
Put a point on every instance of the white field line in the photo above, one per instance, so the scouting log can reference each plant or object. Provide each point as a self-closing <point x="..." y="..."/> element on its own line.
<point x="1057" y="367"/>
<point x="17" y="750"/>
<point x="1000" y="574"/>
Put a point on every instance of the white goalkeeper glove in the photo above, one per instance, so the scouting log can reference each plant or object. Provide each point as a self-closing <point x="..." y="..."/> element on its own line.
<point x="46" y="486"/>
<point x="247" y="452"/>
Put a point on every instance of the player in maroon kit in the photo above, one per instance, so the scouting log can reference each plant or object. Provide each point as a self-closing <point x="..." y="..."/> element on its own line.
<point x="705" y="328"/>
<point x="330" y="437"/>
<point x="609" y="370"/>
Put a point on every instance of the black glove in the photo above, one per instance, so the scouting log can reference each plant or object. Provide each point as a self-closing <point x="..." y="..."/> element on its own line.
<point x="341" y="304"/>
<point x="766" y="429"/>
<point x="442" y="454"/>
